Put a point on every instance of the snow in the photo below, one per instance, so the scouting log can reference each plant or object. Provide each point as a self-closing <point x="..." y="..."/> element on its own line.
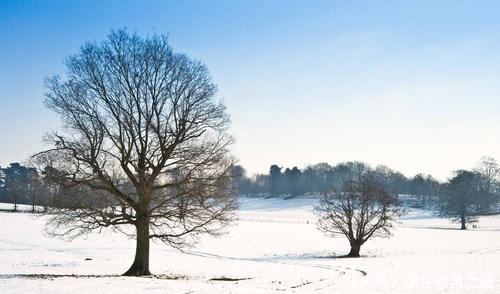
<point x="273" y="247"/>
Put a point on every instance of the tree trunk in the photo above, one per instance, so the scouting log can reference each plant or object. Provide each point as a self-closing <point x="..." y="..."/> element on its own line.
<point x="140" y="267"/>
<point x="355" y="247"/>
<point x="462" y="221"/>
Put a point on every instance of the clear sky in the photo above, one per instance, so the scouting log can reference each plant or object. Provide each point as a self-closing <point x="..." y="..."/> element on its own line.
<point x="414" y="85"/>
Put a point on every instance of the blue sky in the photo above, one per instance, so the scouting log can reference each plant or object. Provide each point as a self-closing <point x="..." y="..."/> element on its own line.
<point x="414" y="85"/>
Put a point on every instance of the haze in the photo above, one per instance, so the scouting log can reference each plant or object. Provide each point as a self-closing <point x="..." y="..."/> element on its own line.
<point x="413" y="85"/>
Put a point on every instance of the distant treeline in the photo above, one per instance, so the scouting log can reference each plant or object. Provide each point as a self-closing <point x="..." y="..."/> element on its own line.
<point x="322" y="178"/>
<point x="21" y="184"/>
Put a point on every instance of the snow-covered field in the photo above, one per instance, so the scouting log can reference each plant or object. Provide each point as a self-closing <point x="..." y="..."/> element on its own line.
<point x="274" y="247"/>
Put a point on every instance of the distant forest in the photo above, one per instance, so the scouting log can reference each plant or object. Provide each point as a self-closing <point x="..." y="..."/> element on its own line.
<point x="318" y="179"/>
<point x="321" y="178"/>
<point x="21" y="184"/>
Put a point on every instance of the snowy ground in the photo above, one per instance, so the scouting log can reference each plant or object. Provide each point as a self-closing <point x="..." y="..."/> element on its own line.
<point x="274" y="247"/>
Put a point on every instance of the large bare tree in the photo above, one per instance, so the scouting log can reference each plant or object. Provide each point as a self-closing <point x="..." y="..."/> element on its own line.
<point x="363" y="210"/>
<point x="144" y="143"/>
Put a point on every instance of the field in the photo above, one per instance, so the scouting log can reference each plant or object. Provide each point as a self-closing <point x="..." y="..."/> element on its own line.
<point x="274" y="247"/>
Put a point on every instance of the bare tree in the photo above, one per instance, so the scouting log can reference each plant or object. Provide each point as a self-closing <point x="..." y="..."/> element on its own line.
<point x="145" y="143"/>
<point x="362" y="211"/>
<point x="489" y="171"/>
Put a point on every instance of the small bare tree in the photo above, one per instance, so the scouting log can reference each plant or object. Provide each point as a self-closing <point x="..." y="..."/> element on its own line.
<point x="362" y="211"/>
<point x="145" y="144"/>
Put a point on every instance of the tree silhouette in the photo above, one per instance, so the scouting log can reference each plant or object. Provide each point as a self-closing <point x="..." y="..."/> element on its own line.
<point x="145" y="144"/>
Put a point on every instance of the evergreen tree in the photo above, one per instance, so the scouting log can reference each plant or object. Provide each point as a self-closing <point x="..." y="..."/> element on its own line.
<point x="458" y="200"/>
<point x="275" y="180"/>
<point x="18" y="183"/>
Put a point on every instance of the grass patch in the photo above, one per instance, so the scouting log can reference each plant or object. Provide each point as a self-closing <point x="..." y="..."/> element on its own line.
<point x="226" y="279"/>
<point x="301" y="285"/>
<point x="57" y="276"/>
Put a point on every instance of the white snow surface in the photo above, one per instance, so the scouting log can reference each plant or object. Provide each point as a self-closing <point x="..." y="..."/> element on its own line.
<point x="273" y="247"/>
